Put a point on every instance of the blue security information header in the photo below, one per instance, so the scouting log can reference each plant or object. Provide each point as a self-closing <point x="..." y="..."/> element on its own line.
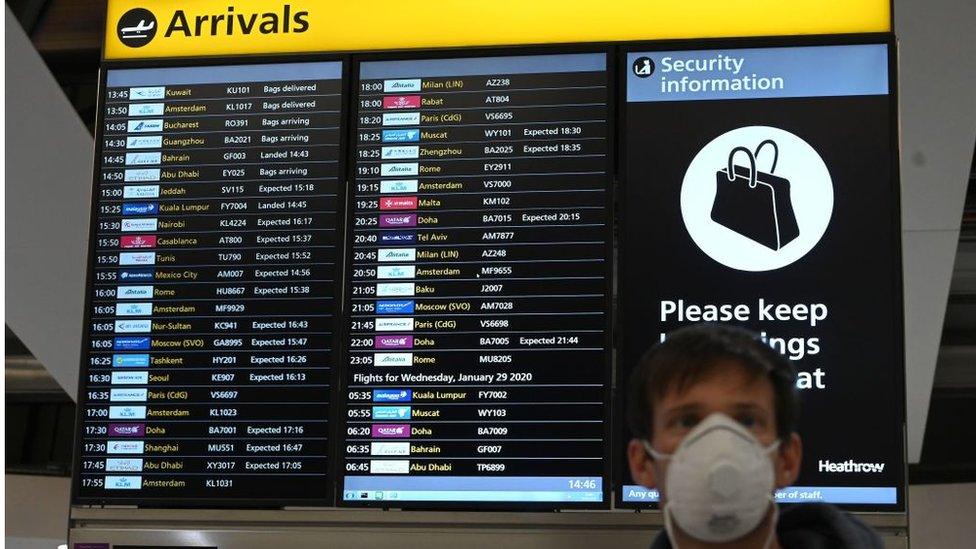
<point x="758" y="73"/>
<point x="856" y="495"/>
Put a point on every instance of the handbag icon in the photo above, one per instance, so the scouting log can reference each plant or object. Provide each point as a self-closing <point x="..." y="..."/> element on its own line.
<point x="755" y="204"/>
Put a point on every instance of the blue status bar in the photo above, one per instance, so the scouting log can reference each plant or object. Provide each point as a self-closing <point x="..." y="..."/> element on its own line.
<point x="453" y="488"/>
<point x="224" y="74"/>
<point x="875" y="495"/>
<point x="474" y="66"/>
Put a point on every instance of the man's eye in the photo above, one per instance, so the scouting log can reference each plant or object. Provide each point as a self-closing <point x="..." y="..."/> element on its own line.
<point x="748" y="421"/>
<point x="688" y="421"/>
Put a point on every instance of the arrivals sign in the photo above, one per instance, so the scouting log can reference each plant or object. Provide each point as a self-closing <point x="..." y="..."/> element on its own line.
<point x="138" y="29"/>
<point x="323" y="279"/>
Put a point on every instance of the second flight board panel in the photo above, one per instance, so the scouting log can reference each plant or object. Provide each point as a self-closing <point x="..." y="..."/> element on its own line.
<point x="478" y="283"/>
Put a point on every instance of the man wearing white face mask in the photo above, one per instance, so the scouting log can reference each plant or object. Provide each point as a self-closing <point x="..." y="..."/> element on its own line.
<point x="713" y="411"/>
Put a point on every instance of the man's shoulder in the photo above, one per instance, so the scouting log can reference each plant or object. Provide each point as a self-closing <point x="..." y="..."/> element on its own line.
<point x="661" y="541"/>
<point x="818" y="525"/>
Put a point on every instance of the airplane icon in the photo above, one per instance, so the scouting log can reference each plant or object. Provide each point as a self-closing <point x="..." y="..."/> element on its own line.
<point x="138" y="31"/>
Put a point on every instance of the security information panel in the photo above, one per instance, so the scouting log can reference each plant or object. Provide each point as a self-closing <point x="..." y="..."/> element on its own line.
<point x="478" y="287"/>
<point x="212" y="286"/>
<point x="759" y="190"/>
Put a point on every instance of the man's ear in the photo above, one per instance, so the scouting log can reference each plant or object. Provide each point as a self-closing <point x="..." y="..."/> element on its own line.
<point x="641" y="464"/>
<point x="790" y="454"/>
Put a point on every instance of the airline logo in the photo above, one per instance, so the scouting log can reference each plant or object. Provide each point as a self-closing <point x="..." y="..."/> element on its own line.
<point x="389" y="466"/>
<point x="403" y="151"/>
<point x="140" y="191"/>
<point x="401" y="324"/>
<point x="140" y="94"/>
<point x="389" y="449"/>
<point x="123" y="465"/>
<point x="133" y="326"/>
<point x="130" y="361"/>
<point x="398" y="220"/>
<point x="127" y="412"/>
<point x="400" y="168"/>
<point x="396" y="254"/>
<point x="144" y="174"/>
<point x="401" y="119"/>
<point x="394" y="289"/>
<point x="140" y="208"/>
<point x="138" y="241"/>
<point x="398" y="203"/>
<point x="127" y="429"/>
<point x="402" y="85"/>
<point x="393" y="342"/>
<point x="125" y="447"/>
<point x="146" y="126"/>
<point x="140" y="224"/>
<point x="392" y="359"/>
<point x="390" y="430"/>
<point x="391" y="412"/>
<point x="140" y="159"/>
<point x="133" y="309"/>
<point x="395" y="271"/>
<point x="130" y="378"/>
<point x="137" y="258"/>
<point x="146" y="109"/>
<point x="394" y="307"/>
<point x="399" y="237"/>
<point x="144" y="142"/>
<point x="136" y="275"/>
<point x="392" y="395"/>
<point x="128" y="395"/>
<point x="401" y="102"/>
<point x="134" y="292"/>
<point x="123" y="483"/>
<point x="401" y="136"/>
<point x="131" y="344"/>
<point x="398" y="186"/>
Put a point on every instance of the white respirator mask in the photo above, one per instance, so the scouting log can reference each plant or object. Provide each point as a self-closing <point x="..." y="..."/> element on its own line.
<point x="719" y="482"/>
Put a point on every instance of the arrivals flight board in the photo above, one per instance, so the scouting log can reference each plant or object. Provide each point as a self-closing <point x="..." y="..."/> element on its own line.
<point x="208" y="365"/>
<point x="478" y="283"/>
<point x="421" y="318"/>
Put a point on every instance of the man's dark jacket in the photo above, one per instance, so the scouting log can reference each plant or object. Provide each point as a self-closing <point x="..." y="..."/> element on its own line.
<point x="814" y="526"/>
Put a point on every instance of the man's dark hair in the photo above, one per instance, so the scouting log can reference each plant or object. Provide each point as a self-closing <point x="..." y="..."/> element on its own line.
<point x="689" y="354"/>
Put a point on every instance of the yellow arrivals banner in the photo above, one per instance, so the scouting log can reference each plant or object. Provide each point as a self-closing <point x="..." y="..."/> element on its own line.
<point x="186" y="28"/>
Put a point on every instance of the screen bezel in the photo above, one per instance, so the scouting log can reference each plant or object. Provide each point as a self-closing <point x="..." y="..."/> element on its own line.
<point x="887" y="39"/>
<point x="617" y="107"/>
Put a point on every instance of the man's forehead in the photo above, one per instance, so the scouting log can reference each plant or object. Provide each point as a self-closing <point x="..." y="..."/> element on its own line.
<point x="728" y="382"/>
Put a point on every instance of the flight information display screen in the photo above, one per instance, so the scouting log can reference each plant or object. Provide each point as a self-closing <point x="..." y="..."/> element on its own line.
<point x="760" y="189"/>
<point x="478" y="283"/>
<point x="211" y="304"/>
